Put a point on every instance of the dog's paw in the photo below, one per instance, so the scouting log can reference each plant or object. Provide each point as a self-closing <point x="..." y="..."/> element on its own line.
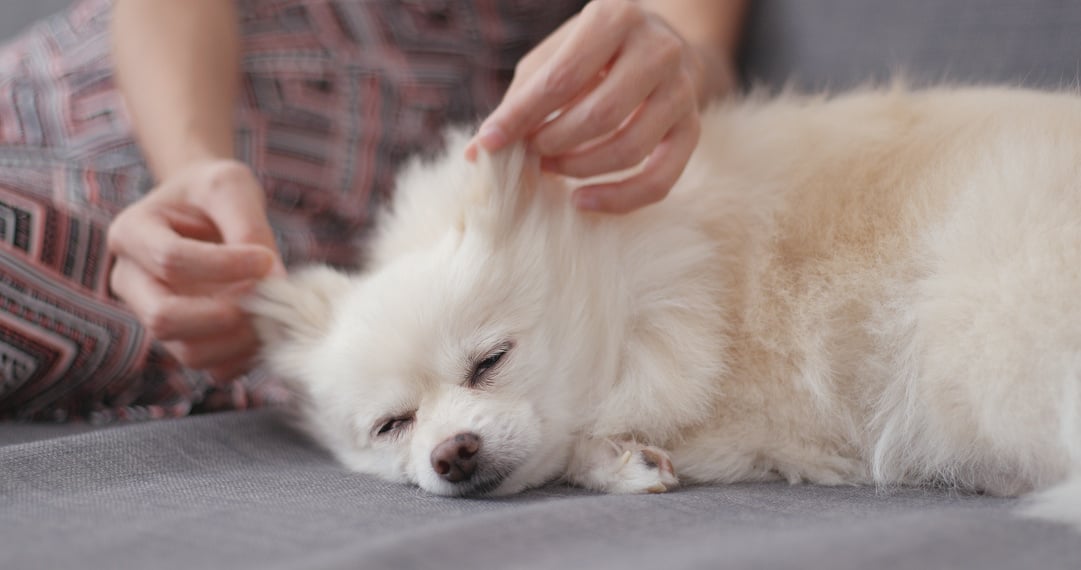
<point x="645" y="470"/>
<point x="622" y="467"/>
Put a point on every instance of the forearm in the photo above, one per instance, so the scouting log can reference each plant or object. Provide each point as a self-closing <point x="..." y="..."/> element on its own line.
<point x="713" y="28"/>
<point x="177" y="67"/>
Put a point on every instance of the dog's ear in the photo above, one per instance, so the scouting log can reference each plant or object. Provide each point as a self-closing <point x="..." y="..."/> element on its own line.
<point x="507" y="186"/>
<point x="298" y="308"/>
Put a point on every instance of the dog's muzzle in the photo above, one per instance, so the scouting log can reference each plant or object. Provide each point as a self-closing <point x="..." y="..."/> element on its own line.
<point x="460" y="460"/>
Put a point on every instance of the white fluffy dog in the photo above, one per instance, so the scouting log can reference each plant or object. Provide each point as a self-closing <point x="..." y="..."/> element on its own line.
<point x="883" y="287"/>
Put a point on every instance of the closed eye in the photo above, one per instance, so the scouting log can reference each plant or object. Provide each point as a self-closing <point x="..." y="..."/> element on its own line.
<point x="394" y="425"/>
<point x="482" y="369"/>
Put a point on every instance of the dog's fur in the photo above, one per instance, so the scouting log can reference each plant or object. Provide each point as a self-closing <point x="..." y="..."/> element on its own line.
<point x="882" y="287"/>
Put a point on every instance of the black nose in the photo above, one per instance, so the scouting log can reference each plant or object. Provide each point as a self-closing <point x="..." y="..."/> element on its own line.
<point x="455" y="459"/>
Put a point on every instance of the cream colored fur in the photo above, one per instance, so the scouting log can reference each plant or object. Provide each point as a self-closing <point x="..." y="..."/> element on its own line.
<point x="882" y="287"/>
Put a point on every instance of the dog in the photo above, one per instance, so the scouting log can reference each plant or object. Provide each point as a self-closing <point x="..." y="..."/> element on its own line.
<point x="879" y="287"/>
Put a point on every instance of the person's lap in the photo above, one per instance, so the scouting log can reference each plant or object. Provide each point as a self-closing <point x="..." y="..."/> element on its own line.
<point x="335" y="96"/>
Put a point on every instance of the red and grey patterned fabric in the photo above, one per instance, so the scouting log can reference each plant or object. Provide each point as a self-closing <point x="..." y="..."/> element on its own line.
<point x="335" y="95"/>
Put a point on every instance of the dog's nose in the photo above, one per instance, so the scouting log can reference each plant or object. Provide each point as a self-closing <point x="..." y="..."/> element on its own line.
<point x="455" y="459"/>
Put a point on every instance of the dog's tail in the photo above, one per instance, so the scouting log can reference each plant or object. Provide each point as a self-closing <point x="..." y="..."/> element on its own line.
<point x="1061" y="504"/>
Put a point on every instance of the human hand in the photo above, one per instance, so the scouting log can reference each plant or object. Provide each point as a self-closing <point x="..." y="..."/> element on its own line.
<point x="626" y="87"/>
<point x="184" y="255"/>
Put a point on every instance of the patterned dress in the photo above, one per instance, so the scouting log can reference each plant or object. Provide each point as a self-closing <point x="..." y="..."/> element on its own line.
<point x="335" y="94"/>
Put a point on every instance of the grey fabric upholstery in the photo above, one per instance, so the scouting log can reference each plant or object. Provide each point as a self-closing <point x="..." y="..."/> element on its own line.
<point x="17" y="14"/>
<point x="247" y="491"/>
<point x="835" y="44"/>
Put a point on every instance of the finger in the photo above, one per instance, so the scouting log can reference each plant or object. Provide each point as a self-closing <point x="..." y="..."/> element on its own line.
<point x="178" y="260"/>
<point x="588" y="49"/>
<point x="166" y="315"/>
<point x="278" y="269"/>
<point x="191" y="223"/>
<point x="525" y="68"/>
<point x="637" y="71"/>
<point x="631" y="144"/>
<point x="238" y="344"/>
<point x="229" y="371"/>
<point x="660" y="172"/>
<point x="541" y="54"/>
<point x="474" y="145"/>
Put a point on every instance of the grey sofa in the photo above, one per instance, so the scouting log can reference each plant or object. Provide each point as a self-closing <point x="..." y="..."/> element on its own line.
<point x="248" y="491"/>
<point x="16" y="14"/>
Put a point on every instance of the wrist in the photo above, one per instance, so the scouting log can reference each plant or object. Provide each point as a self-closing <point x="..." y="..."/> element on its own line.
<point x="714" y="71"/>
<point x="188" y="152"/>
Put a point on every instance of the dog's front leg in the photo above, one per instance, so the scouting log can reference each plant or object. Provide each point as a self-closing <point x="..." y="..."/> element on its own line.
<point x="620" y="466"/>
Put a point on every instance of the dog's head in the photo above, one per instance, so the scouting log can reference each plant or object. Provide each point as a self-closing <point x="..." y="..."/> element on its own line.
<point x="450" y="361"/>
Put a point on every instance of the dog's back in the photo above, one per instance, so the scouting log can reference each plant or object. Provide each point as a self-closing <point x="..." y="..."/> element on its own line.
<point x="909" y="271"/>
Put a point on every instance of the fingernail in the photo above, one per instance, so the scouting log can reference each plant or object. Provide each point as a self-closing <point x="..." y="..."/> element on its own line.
<point x="491" y="137"/>
<point x="278" y="269"/>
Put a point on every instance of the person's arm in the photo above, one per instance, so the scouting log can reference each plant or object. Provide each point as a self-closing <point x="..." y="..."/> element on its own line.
<point x="185" y="250"/>
<point x="177" y="67"/>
